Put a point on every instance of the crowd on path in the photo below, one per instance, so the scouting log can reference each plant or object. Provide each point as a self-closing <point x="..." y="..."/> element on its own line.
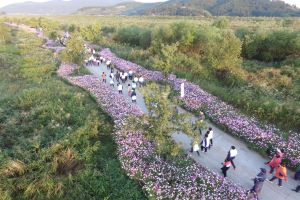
<point x="116" y="78"/>
<point x="275" y="164"/>
<point x="120" y="78"/>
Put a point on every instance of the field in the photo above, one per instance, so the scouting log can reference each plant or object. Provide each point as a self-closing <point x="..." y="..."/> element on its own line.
<point x="55" y="141"/>
<point x="256" y="68"/>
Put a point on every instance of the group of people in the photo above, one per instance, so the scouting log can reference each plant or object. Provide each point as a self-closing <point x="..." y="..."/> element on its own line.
<point x="96" y="60"/>
<point x="121" y="79"/>
<point x="206" y="143"/>
<point x="276" y="163"/>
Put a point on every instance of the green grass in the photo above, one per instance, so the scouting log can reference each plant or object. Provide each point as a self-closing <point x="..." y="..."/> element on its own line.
<point x="55" y="142"/>
<point x="81" y="71"/>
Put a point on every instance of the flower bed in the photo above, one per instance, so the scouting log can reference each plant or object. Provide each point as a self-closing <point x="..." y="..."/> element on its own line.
<point x="249" y="129"/>
<point x="161" y="179"/>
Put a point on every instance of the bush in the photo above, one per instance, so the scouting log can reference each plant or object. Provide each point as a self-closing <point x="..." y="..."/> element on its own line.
<point x="134" y="36"/>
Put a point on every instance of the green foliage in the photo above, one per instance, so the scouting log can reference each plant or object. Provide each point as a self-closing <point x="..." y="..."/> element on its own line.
<point x="223" y="7"/>
<point x="165" y="61"/>
<point x="5" y="35"/>
<point x="222" y="23"/>
<point x="134" y="36"/>
<point x="74" y="52"/>
<point x="246" y="86"/>
<point x="223" y="52"/>
<point x="53" y="35"/>
<point x="164" y="120"/>
<point x="92" y="33"/>
<point x="72" y="28"/>
<point x="55" y="143"/>
<point x="274" y="46"/>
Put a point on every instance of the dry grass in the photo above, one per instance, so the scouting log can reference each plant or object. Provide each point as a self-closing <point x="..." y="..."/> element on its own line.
<point x="65" y="163"/>
<point x="14" y="168"/>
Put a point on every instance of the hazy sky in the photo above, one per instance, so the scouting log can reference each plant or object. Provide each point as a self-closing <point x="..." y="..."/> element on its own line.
<point x="6" y="2"/>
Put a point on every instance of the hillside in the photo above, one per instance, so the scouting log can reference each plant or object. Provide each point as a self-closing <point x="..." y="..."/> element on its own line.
<point x="126" y="8"/>
<point x="56" y="7"/>
<point x="224" y="7"/>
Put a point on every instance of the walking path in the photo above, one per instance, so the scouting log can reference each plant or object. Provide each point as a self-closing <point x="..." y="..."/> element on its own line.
<point x="247" y="161"/>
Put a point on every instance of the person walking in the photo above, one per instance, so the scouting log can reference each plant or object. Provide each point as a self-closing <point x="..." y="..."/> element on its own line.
<point x="129" y="89"/>
<point x="111" y="82"/>
<point x="210" y="136"/>
<point x="112" y="75"/>
<point x="118" y="76"/>
<point x="259" y="181"/>
<point x="126" y="76"/>
<point x="123" y="77"/>
<point x="274" y="163"/>
<point x="232" y="153"/>
<point x="120" y="88"/>
<point x="201" y="116"/>
<point x="130" y="74"/>
<point x="108" y="63"/>
<point x="133" y="96"/>
<point x="141" y="81"/>
<point x="225" y="168"/>
<point x="133" y="85"/>
<point x="205" y="143"/>
<point x="103" y="77"/>
<point x="280" y="174"/>
<point x="198" y="125"/>
<point x="195" y="148"/>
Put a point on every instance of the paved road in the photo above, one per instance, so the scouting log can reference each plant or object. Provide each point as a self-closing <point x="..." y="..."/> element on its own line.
<point x="248" y="162"/>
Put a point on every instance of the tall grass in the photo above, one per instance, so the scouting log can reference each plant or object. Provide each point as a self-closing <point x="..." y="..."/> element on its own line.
<point x="55" y="142"/>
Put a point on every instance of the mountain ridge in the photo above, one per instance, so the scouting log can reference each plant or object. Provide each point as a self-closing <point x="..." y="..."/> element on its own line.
<point x="243" y="8"/>
<point x="56" y="7"/>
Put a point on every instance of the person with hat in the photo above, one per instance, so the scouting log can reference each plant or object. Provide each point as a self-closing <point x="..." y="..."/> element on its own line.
<point x="259" y="181"/>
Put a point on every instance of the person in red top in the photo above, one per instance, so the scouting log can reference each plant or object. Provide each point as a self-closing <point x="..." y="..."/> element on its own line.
<point x="280" y="174"/>
<point x="103" y="77"/>
<point x="276" y="160"/>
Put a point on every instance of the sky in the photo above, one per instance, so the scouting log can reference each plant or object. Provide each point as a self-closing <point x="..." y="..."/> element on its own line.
<point x="7" y="2"/>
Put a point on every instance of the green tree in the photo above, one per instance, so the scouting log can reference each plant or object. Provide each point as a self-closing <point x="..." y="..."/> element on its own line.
<point x="92" y="33"/>
<point x="222" y="23"/>
<point x="223" y="52"/>
<point x="53" y="35"/>
<point x="74" y="51"/>
<point x="165" y="60"/>
<point x="164" y="120"/>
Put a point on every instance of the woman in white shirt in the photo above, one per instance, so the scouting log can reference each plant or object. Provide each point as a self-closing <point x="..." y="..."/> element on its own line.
<point x="141" y="81"/>
<point x="111" y="82"/>
<point x="210" y="137"/>
<point x="133" y="85"/>
<point x="120" y="88"/>
<point x="205" y="143"/>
